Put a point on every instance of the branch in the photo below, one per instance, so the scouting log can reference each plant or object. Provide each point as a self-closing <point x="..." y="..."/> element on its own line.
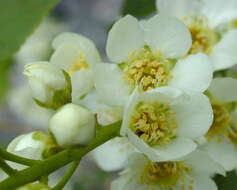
<point x="17" y="159"/>
<point x="6" y="168"/>
<point x="67" y="176"/>
<point x="59" y="160"/>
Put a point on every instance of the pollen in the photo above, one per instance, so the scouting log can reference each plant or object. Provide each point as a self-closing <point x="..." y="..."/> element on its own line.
<point x="154" y="123"/>
<point x="79" y="63"/>
<point x="165" y="174"/>
<point x="203" y="37"/>
<point x="147" y="69"/>
<point x="221" y="119"/>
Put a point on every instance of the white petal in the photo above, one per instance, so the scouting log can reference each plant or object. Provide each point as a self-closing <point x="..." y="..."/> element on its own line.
<point x="105" y="114"/>
<point x="113" y="155"/>
<point x="192" y="73"/>
<point x="178" y="8"/>
<point x="65" y="56"/>
<point x="110" y="84"/>
<point x="178" y="148"/>
<point x="224" y="89"/>
<point x="223" y="54"/>
<point x="194" y="115"/>
<point x="223" y="152"/>
<point x="125" y="36"/>
<point x="219" y="11"/>
<point x="127" y="182"/>
<point x="169" y="35"/>
<point x="82" y="83"/>
<point x="82" y="43"/>
<point x="203" y="182"/>
<point x="201" y="162"/>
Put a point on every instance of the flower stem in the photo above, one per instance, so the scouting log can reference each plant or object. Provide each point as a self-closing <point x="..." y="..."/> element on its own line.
<point x="6" y="168"/>
<point x="59" y="160"/>
<point x="67" y="176"/>
<point x="17" y="159"/>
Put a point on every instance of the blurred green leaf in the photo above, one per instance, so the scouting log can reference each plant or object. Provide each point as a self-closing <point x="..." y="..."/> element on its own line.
<point x="138" y="8"/>
<point x="227" y="183"/>
<point x="18" y="19"/>
<point x="4" y="83"/>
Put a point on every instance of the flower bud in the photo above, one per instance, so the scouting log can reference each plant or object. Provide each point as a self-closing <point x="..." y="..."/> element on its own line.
<point x="72" y="125"/>
<point x="35" y="186"/>
<point x="36" y="145"/>
<point x="50" y="86"/>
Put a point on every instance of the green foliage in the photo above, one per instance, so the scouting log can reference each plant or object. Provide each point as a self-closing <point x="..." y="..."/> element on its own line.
<point x="18" y="20"/>
<point x="138" y="8"/>
<point x="4" y="68"/>
<point x="227" y="183"/>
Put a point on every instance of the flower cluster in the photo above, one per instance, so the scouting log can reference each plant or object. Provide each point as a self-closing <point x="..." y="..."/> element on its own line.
<point x="179" y="125"/>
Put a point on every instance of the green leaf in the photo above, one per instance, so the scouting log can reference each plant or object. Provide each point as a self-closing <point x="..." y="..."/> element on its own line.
<point x="18" y="20"/>
<point x="138" y="8"/>
<point x="227" y="183"/>
<point x="4" y="82"/>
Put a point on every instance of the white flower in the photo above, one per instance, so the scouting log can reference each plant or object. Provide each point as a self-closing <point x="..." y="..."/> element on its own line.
<point x="50" y="85"/>
<point x="222" y="137"/>
<point x="72" y="125"/>
<point x="35" y="186"/>
<point x="204" y="18"/>
<point x="192" y="172"/>
<point x="78" y="56"/>
<point x="163" y="123"/>
<point x="149" y="57"/>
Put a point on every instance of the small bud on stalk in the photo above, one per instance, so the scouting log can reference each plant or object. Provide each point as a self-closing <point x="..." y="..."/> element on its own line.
<point x="51" y="86"/>
<point x="36" y="186"/>
<point x="36" y="145"/>
<point x="72" y="125"/>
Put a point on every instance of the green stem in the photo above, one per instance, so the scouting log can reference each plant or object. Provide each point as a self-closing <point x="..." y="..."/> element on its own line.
<point x="67" y="176"/>
<point x="6" y="168"/>
<point x="17" y="159"/>
<point x="59" y="160"/>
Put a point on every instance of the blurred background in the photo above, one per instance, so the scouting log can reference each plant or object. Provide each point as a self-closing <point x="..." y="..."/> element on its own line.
<point x="19" y="114"/>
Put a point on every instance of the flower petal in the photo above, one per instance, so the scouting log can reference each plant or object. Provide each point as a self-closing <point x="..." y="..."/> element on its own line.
<point x="194" y="115"/>
<point x="223" y="152"/>
<point x="219" y="11"/>
<point x="125" y="36"/>
<point x="113" y="155"/>
<point x="178" y="148"/>
<point x="105" y="114"/>
<point x="224" y="54"/>
<point x="169" y="35"/>
<point x="192" y="73"/>
<point x="178" y="8"/>
<point x="224" y="89"/>
<point x="82" y="83"/>
<point x="202" y="182"/>
<point x="202" y="163"/>
<point x="110" y="84"/>
<point x="82" y="43"/>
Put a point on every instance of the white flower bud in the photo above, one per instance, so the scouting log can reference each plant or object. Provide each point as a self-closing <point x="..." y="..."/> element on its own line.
<point x="72" y="125"/>
<point x="51" y="86"/>
<point x="35" y="186"/>
<point x="35" y="145"/>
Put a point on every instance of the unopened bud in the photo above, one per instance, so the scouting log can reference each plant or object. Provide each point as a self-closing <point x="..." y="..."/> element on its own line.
<point x="72" y="125"/>
<point x="50" y="86"/>
<point x="35" y="186"/>
<point x="36" y="145"/>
